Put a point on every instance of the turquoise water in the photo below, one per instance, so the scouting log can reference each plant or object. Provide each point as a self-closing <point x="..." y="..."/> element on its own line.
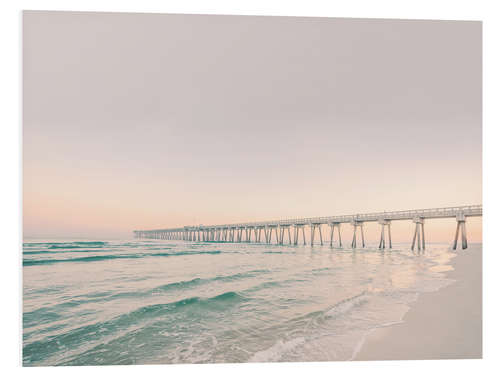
<point x="152" y="301"/>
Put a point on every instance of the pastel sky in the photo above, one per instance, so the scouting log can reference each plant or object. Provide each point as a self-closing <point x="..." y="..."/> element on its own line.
<point x="140" y="121"/>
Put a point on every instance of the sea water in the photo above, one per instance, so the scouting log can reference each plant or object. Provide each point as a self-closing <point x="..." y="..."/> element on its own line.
<point x="151" y="301"/>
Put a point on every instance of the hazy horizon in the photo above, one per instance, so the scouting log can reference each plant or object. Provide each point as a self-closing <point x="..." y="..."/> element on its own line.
<point x="143" y="121"/>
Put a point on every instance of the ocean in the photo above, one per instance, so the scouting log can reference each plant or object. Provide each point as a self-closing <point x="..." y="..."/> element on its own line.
<point x="138" y="301"/>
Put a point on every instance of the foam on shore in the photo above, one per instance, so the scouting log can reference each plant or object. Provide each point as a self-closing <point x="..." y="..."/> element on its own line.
<point x="444" y="324"/>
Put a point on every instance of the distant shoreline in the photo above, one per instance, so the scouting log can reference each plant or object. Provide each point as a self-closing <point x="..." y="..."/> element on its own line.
<point x="446" y="324"/>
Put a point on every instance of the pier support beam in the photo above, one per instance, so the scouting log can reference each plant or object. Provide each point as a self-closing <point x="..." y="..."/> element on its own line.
<point x="283" y="229"/>
<point x="332" y="233"/>
<point x="357" y="224"/>
<point x="460" y="228"/>
<point x="383" y="224"/>
<point x="269" y="233"/>
<point x="297" y="228"/>
<point x="418" y="235"/>
<point x="259" y="231"/>
<point x="313" y="230"/>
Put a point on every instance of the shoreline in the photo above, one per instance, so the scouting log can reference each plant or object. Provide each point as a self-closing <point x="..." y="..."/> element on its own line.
<point x="445" y="324"/>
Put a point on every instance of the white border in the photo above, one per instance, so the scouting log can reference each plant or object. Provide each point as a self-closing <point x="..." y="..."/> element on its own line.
<point x="10" y="146"/>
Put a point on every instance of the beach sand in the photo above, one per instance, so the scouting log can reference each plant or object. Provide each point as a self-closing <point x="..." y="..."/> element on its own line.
<point x="446" y="324"/>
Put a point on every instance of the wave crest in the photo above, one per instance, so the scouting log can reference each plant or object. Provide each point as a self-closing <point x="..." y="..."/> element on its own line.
<point x="95" y="258"/>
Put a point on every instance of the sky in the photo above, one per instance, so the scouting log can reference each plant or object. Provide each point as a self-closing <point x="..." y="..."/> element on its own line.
<point x="143" y="121"/>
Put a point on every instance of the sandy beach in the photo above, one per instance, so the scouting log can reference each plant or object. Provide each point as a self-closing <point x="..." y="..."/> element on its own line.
<point x="446" y="324"/>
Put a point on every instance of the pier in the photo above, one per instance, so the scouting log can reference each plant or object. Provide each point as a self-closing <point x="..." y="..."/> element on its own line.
<point x="280" y="231"/>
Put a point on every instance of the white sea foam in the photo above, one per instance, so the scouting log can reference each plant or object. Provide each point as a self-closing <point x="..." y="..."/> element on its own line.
<point x="276" y="352"/>
<point x="347" y="305"/>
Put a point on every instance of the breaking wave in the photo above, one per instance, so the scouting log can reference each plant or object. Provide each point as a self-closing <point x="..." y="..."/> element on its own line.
<point x="96" y="258"/>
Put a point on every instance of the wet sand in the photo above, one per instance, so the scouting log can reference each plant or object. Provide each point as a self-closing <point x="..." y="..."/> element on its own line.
<point x="446" y="324"/>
